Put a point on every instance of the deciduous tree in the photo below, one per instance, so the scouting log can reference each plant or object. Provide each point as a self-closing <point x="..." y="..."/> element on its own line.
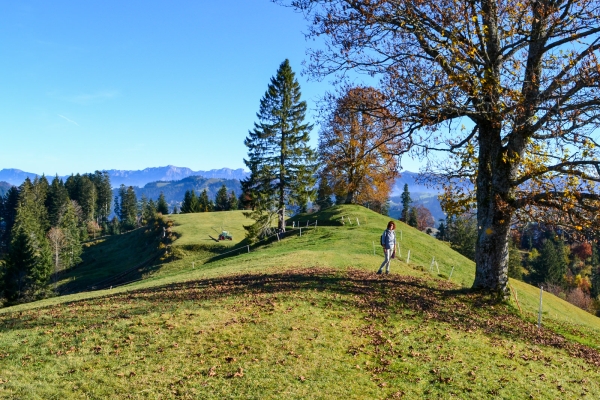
<point x="510" y="88"/>
<point x="424" y="217"/>
<point x="357" y="147"/>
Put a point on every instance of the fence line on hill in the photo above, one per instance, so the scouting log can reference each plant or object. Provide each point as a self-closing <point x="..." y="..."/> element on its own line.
<point x="104" y="284"/>
<point x="295" y="228"/>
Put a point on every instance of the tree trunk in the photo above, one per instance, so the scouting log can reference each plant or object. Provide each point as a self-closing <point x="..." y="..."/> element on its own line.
<point x="349" y="197"/>
<point x="493" y="214"/>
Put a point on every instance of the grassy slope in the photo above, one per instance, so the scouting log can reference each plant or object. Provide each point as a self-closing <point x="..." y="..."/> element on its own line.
<point x="333" y="330"/>
<point x="109" y="256"/>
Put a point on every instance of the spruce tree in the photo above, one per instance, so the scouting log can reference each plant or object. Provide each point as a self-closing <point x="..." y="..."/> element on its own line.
<point x="103" y="187"/>
<point x="29" y="262"/>
<point x="232" y="201"/>
<point x="9" y="214"/>
<point x="441" y="233"/>
<point x="127" y="207"/>
<point x="57" y="197"/>
<point x="413" y="217"/>
<point x="222" y="200"/>
<point x="162" y="206"/>
<point x="281" y="163"/>
<point x="550" y="266"/>
<point x="186" y="204"/>
<point x="406" y="202"/>
<point x="69" y="224"/>
<point x="204" y="203"/>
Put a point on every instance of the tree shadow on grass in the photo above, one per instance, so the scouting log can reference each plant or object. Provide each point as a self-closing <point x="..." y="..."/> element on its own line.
<point x="378" y="297"/>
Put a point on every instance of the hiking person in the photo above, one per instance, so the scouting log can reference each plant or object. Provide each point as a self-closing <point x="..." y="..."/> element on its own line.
<point x="388" y="242"/>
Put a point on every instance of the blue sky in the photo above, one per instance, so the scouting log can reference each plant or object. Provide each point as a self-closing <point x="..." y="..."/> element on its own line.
<point x="87" y="85"/>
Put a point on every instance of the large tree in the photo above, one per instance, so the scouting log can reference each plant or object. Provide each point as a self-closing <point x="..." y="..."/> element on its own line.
<point x="357" y="147"/>
<point x="29" y="263"/>
<point x="509" y="87"/>
<point x="281" y="163"/>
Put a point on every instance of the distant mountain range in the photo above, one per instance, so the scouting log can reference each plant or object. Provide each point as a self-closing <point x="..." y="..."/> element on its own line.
<point x="174" y="181"/>
<point x="174" y="191"/>
<point x="171" y="173"/>
<point x="135" y="178"/>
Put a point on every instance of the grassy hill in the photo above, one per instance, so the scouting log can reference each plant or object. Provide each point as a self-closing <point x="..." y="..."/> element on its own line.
<point x="303" y="317"/>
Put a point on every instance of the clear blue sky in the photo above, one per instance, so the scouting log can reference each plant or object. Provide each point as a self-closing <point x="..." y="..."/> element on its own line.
<point x="87" y="85"/>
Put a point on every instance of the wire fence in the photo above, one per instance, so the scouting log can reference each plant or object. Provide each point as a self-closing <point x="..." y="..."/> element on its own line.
<point x="298" y="228"/>
<point x="108" y="283"/>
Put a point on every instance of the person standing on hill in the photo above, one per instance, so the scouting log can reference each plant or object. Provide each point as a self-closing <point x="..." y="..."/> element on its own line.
<point x="388" y="242"/>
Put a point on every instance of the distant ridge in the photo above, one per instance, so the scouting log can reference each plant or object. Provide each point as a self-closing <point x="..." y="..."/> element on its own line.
<point x="135" y="178"/>
<point x="4" y="186"/>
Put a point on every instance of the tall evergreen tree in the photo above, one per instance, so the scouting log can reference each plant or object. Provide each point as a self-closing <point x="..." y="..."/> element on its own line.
<point x="83" y="190"/>
<point x="190" y="202"/>
<point x="69" y="224"/>
<point x="282" y="165"/>
<point x="162" y="206"/>
<point x="57" y="197"/>
<point x="127" y="206"/>
<point x="551" y="266"/>
<point x="29" y="262"/>
<point x="9" y="214"/>
<point x="222" y="200"/>
<point x="232" y="201"/>
<point x="413" y="219"/>
<point x="204" y="203"/>
<point x="406" y="202"/>
<point x="101" y="181"/>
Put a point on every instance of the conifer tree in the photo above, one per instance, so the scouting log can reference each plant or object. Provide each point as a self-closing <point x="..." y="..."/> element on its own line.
<point x="204" y="203"/>
<point x="281" y="163"/>
<point x="162" y="206"/>
<point x="550" y="266"/>
<point x="9" y="214"/>
<point x="221" y="200"/>
<point x="186" y="204"/>
<point x="127" y="206"/>
<point x="57" y="197"/>
<point x="69" y="224"/>
<point x="406" y="202"/>
<point x="413" y="219"/>
<point x="29" y="262"/>
<point x="232" y="202"/>
<point x="103" y="187"/>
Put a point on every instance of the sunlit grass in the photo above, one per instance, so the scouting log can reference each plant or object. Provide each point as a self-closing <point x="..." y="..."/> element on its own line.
<point x="303" y="317"/>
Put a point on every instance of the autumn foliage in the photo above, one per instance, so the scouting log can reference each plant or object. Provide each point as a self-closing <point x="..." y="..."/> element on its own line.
<point x="357" y="147"/>
<point x="510" y="90"/>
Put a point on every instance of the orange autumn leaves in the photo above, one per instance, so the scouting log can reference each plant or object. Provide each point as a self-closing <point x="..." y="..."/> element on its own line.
<point x="358" y="145"/>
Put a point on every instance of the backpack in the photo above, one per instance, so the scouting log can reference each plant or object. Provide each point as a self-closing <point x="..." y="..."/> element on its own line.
<point x="382" y="240"/>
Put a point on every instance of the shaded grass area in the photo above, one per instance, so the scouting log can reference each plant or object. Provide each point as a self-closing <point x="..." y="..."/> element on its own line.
<point x="110" y="256"/>
<point x="302" y="333"/>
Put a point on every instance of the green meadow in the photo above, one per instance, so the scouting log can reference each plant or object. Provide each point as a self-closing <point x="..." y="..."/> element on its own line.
<point x="299" y="316"/>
